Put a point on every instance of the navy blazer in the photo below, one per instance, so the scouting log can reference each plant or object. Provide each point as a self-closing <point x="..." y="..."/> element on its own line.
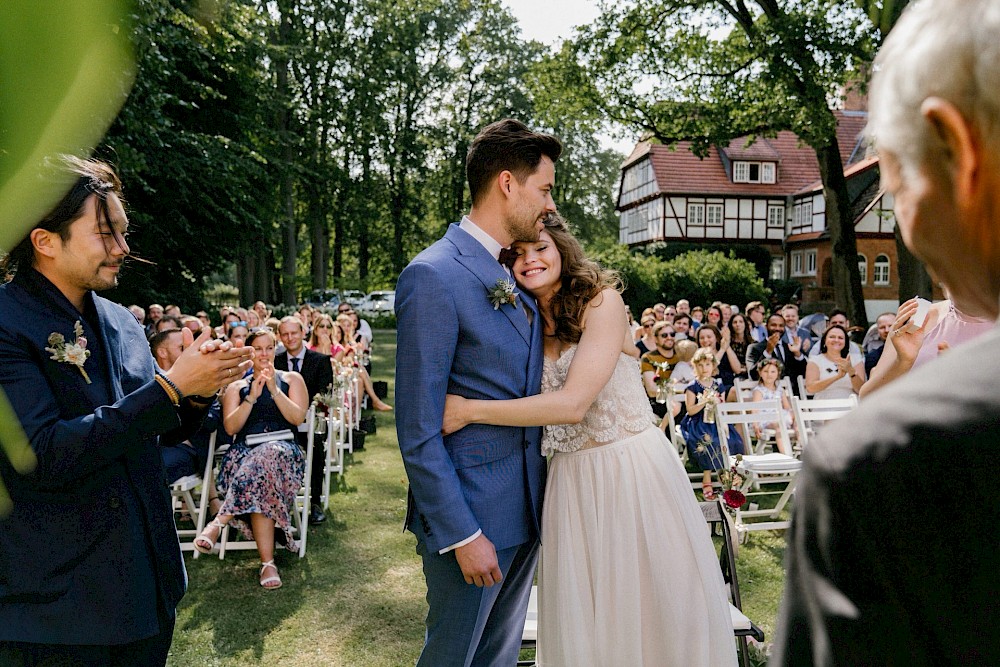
<point x="452" y="340"/>
<point x="316" y="370"/>
<point x="89" y="548"/>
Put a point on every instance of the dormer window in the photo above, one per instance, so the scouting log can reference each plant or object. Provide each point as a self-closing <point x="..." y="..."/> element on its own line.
<point x="753" y="172"/>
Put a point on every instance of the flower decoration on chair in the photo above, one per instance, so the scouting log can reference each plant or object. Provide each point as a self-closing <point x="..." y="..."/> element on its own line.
<point x="502" y="293"/>
<point x="75" y="353"/>
<point x="661" y="376"/>
<point x="731" y="481"/>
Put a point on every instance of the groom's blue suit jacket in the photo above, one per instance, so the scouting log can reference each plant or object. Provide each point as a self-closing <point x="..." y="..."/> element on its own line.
<point x="452" y="340"/>
<point x="89" y="552"/>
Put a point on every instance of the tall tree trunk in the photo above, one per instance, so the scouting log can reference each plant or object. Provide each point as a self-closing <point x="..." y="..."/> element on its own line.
<point x="846" y="276"/>
<point x="318" y="237"/>
<point x="290" y="250"/>
<point x="914" y="280"/>
<point x="368" y="209"/>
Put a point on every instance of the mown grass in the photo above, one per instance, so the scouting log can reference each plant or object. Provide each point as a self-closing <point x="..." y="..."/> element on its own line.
<point x="357" y="598"/>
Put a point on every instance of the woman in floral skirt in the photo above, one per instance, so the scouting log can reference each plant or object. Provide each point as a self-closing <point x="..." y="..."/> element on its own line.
<point x="259" y="481"/>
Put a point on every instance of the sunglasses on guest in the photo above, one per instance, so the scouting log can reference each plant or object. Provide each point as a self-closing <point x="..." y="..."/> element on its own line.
<point x="665" y="335"/>
<point x="237" y="324"/>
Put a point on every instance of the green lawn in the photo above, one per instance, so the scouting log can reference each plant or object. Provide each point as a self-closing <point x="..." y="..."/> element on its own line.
<point x="357" y="598"/>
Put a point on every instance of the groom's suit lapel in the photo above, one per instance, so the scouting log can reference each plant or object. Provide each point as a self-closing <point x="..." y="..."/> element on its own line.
<point x="473" y="256"/>
<point x="112" y="347"/>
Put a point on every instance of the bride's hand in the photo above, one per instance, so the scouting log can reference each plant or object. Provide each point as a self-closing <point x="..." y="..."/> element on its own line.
<point x="455" y="417"/>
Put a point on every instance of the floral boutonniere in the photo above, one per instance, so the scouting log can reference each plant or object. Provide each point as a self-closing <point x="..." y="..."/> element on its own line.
<point x="75" y="353"/>
<point x="502" y="293"/>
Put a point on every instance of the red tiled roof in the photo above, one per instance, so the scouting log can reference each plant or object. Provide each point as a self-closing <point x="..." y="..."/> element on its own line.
<point x="808" y="236"/>
<point x="679" y="171"/>
<point x="758" y="150"/>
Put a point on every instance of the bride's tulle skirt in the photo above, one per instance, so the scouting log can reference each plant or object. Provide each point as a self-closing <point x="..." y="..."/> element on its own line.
<point x="628" y="574"/>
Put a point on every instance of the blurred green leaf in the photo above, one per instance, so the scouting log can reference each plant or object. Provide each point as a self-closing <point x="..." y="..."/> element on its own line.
<point x="66" y="68"/>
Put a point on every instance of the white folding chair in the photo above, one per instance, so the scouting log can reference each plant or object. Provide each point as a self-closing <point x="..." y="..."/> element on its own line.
<point x="801" y="380"/>
<point x="182" y="492"/>
<point x="758" y="470"/>
<point x="300" y="506"/>
<point x="812" y="412"/>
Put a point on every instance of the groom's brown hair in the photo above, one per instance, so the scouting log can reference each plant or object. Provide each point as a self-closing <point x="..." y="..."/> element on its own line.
<point x="506" y="145"/>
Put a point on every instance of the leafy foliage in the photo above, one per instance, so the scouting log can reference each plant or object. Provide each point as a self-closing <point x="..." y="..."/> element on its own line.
<point x="702" y="277"/>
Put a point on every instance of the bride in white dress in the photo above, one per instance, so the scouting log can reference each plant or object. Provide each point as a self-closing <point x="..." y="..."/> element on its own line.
<point x="627" y="573"/>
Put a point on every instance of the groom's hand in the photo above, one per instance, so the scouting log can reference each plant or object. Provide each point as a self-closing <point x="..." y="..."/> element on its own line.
<point x="478" y="560"/>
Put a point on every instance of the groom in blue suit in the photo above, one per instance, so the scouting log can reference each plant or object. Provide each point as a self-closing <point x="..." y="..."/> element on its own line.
<point x="475" y="496"/>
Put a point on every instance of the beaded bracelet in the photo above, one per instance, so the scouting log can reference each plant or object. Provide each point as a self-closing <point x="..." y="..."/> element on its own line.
<point x="180" y="394"/>
<point x="167" y="387"/>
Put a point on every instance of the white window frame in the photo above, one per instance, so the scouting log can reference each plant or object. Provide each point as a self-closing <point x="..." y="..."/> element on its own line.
<point x="807" y="213"/>
<point x="797" y="263"/>
<point x="810" y="260"/>
<point x="696" y="220"/>
<point x="776" y="217"/>
<point x="768" y="172"/>
<point x="714" y="215"/>
<point x="881" y="271"/>
<point x="741" y="171"/>
<point x="863" y="268"/>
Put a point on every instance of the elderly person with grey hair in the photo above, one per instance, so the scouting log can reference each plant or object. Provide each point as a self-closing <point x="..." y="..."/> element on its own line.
<point x="892" y="554"/>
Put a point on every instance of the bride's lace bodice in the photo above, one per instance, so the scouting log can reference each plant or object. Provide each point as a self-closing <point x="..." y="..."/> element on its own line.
<point x="620" y="411"/>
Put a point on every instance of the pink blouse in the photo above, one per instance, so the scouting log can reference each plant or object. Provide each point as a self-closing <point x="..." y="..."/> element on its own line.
<point x="955" y="328"/>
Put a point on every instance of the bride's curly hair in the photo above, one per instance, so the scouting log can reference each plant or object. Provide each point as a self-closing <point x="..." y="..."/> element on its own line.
<point x="581" y="280"/>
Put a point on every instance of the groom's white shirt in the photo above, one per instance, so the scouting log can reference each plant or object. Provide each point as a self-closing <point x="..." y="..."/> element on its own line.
<point x="493" y="247"/>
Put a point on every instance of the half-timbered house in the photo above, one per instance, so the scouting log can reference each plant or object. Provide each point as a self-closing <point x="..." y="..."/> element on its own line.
<point x="765" y="192"/>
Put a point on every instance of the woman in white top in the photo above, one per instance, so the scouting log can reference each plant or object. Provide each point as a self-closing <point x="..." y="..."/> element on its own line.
<point x="830" y="373"/>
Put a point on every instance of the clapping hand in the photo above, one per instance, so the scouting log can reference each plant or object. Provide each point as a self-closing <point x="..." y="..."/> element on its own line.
<point x="772" y="341"/>
<point x="207" y="365"/>
<point x="843" y="366"/>
<point x="795" y="347"/>
<point x="906" y="343"/>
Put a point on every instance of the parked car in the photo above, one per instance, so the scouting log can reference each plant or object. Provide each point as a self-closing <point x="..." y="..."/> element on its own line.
<point x="353" y="297"/>
<point x="381" y="302"/>
<point x="324" y="298"/>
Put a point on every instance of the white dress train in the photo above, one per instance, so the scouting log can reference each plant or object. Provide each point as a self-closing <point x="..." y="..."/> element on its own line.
<point x="628" y="574"/>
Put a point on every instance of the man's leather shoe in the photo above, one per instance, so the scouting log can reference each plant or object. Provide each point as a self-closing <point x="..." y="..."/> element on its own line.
<point x="316" y="515"/>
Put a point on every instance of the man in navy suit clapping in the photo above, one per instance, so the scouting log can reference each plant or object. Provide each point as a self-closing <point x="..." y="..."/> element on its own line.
<point x="90" y="568"/>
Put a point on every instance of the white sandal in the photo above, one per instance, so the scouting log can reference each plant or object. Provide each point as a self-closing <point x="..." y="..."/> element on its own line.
<point x="203" y="539"/>
<point x="269" y="580"/>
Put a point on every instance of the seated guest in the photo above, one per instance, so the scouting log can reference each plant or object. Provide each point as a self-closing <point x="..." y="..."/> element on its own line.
<point x="185" y="457"/>
<point x="356" y="346"/>
<point x="874" y="342"/>
<point x="259" y="482"/>
<point x="792" y="329"/>
<point x="192" y="323"/>
<point x="646" y="341"/>
<point x="168" y="322"/>
<point x="697" y="316"/>
<point x="683" y="371"/>
<point x="708" y="335"/>
<point x="739" y="342"/>
<point x="658" y="362"/>
<point x="327" y="338"/>
<point x="839" y="318"/>
<point x="714" y="316"/>
<point x="253" y="320"/>
<point x="755" y="314"/>
<point x="768" y="389"/>
<point x="831" y="373"/>
<point x="237" y="333"/>
<point x="204" y="319"/>
<point x="682" y="326"/>
<point x="773" y="347"/>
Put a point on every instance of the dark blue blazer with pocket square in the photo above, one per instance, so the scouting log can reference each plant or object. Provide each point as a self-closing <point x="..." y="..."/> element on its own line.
<point x="89" y="554"/>
<point x="452" y="340"/>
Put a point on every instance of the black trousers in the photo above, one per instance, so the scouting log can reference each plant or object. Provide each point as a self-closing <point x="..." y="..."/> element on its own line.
<point x="149" y="652"/>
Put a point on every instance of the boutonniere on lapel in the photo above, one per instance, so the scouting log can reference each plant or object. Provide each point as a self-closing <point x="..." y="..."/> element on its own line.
<point x="75" y="353"/>
<point x="502" y="293"/>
